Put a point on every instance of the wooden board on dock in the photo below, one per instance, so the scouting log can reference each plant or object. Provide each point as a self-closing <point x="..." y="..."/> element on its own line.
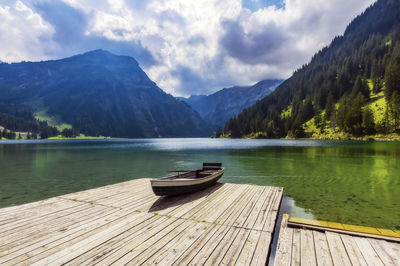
<point x="126" y="223"/>
<point x="307" y="242"/>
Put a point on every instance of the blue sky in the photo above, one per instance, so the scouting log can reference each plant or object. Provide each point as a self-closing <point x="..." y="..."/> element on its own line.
<point x="255" y="5"/>
<point x="186" y="46"/>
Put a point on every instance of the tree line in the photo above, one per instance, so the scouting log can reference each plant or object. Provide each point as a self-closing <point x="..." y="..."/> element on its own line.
<point x="35" y="129"/>
<point x="333" y="88"/>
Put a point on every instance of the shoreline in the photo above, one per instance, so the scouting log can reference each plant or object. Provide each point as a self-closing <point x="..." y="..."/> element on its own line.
<point x="364" y="139"/>
<point x="389" y="137"/>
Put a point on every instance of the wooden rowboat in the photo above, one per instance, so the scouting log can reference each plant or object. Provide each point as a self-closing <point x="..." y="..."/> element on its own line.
<point x="188" y="181"/>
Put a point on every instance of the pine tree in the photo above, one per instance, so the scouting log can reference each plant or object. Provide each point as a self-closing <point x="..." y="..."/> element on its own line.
<point x="330" y="107"/>
<point x="360" y="87"/>
<point x="393" y="112"/>
<point x="344" y="108"/>
<point x="392" y="79"/>
<point x="308" y="110"/>
<point x="368" y="123"/>
<point x="218" y="133"/>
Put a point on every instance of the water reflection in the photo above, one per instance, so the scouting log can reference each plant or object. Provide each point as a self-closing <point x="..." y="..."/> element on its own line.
<point x="350" y="182"/>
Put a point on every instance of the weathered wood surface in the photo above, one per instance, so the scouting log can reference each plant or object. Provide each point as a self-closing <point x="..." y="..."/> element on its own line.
<point x="300" y="245"/>
<point x="126" y="223"/>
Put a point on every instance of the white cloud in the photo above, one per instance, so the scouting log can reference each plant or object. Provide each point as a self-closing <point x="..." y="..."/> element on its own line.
<point x="24" y="35"/>
<point x="199" y="46"/>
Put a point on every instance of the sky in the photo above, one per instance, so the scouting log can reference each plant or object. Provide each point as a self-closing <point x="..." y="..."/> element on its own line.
<point x="186" y="46"/>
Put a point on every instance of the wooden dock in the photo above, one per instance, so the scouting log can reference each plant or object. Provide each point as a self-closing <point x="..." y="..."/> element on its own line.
<point x="126" y="223"/>
<point x="309" y="242"/>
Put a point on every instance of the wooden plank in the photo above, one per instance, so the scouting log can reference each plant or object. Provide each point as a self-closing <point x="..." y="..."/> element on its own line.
<point x="242" y="219"/>
<point x="32" y="234"/>
<point x="179" y="206"/>
<point x="264" y="212"/>
<point x="160" y="249"/>
<point x="215" y="252"/>
<point x="381" y="252"/>
<point x="342" y="231"/>
<point x="45" y="241"/>
<point x="19" y="210"/>
<point x="127" y="223"/>
<point x="273" y="211"/>
<point x="296" y="247"/>
<point x="210" y="209"/>
<point x="187" y="257"/>
<point x="175" y="248"/>
<point x="220" y="239"/>
<point x="353" y="250"/>
<point x="212" y="204"/>
<point x="138" y="243"/>
<point x="234" y="250"/>
<point x="238" y="211"/>
<point x="25" y="226"/>
<point x="227" y="204"/>
<point x="368" y="251"/>
<point x="130" y="185"/>
<point x="307" y="248"/>
<point x="256" y="211"/>
<point x="337" y="249"/>
<point x="42" y="209"/>
<point x="227" y="218"/>
<point x="220" y="245"/>
<point x="284" y="248"/>
<point x="134" y="253"/>
<point x="113" y="244"/>
<point x="199" y="203"/>
<point x="308" y="221"/>
<point x="48" y="242"/>
<point x="322" y="253"/>
<point x="387" y="232"/>
<point x="361" y="229"/>
<point x="88" y="243"/>
<point x="393" y="249"/>
<point x="346" y="227"/>
<point x="107" y="191"/>
<point x="120" y="199"/>
<point x="249" y="247"/>
<point x="261" y="253"/>
<point x="53" y="245"/>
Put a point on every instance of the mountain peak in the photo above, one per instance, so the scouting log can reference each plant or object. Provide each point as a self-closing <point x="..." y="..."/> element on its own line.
<point x="98" y="52"/>
<point x="101" y="56"/>
<point x="218" y="107"/>
<point x="99" y="93"/>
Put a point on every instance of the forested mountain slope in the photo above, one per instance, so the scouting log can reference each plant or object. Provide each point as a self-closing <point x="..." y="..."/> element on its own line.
<point x="97" y="93"/>
<point x="351" y="87"/>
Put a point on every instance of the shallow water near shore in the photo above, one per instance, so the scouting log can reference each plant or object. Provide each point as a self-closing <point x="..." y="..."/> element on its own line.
<point x="344" y="181"/>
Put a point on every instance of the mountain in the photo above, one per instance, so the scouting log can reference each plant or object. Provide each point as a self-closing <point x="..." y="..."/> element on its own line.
<point x="218" y="107"/>
<point x="97" y="93"/>
<point x="349" y="89"/>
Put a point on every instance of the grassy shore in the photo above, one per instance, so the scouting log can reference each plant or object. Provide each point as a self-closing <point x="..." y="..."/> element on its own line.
<point x="328" y="135"/>
<point x="60" y="137"/>
<point x="81" y="136"/>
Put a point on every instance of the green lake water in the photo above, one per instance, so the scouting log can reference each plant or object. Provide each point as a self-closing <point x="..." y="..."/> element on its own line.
<point x="348" y="182"/>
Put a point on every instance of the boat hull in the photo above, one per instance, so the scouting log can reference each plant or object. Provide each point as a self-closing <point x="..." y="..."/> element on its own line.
<point x="178" y="187"/>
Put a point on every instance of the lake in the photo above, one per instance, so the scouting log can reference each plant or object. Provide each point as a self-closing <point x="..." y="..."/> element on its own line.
<point x="345" y="181"/>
